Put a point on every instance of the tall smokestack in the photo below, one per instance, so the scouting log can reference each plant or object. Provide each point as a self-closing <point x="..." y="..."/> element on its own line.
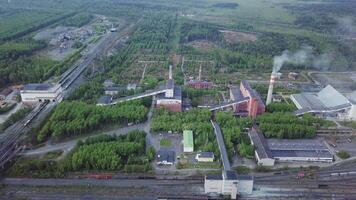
<point x="274" y="77"/>
<point x="170" y="72"/>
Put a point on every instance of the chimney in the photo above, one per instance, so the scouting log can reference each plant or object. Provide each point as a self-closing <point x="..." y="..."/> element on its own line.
<point x="274" y="77"/>
<point x="170" y="72"/>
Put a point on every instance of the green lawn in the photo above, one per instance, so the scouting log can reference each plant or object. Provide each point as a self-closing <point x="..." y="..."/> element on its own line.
<point x="165" y="142"/>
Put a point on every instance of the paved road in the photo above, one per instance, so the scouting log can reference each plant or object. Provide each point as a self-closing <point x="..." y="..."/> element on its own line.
<point x="69" y="145"/>
<point x="222" y="148"/>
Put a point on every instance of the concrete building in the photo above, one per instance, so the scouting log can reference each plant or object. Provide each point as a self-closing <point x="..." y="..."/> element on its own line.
<point x="328" y="102"/>
<point x="39" y="92"/>
<point x="245" y="184"/>
<point x="269" y="151"/>
<point x="262" y="152"/>
<point x="188" y="143"/>
<point x="165" y="157"/>
<point x="253" y="107"/>
<point x="205" y="157"/>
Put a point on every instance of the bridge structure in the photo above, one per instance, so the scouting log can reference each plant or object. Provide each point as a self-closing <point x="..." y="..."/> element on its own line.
<point x="139" y="96"/>
<point x="228" y="104"/>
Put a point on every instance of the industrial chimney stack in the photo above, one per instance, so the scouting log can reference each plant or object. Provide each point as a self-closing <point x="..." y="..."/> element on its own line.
<point x="274" y="77"/>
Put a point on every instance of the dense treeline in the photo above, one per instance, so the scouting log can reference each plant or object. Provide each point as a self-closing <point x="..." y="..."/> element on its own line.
<point x="197" y="120"/>
<point x="75" y="118"/>
<point x="280" y="107"/>
<point x="88" y="92"/>
<point x="104" y="152"/>
<point x="232" y="129"/>
<point x="287" y="125"/>
<point x="17" y="116"/>
<point x="110" y="153"/>
<point x="259" y="54"/>
<point x="78" y="20"/>
<point x="24" y="22"/>
<point x="191" y="31"/>
<point x="18" y="63"/>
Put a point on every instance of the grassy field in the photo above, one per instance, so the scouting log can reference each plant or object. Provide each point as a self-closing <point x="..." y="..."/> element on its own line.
<point x="22" y="20"/>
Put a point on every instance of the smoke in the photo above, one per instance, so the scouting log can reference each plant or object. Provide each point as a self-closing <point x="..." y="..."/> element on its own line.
<point x="299" y="57"/>
<point x="345" y="27"/>
<point x="303" y="56"/>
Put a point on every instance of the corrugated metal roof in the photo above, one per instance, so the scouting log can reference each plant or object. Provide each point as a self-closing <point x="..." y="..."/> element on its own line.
<point x="37" y="86"/>
<point x="330" y="97"/>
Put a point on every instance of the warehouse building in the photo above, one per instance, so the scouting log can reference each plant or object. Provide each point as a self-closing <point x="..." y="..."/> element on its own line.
<point x="188" y="143"/>
<point x="262" y="152"/>
<point x="205" y="157"/>
<point x="328" y="102"/>
<point x="39" y="92"/>
<point x="302" y="150"/>
<point x="269" y="151"/>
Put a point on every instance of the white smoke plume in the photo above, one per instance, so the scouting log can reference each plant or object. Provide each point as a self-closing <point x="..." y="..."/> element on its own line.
<point x="305" y="55"/>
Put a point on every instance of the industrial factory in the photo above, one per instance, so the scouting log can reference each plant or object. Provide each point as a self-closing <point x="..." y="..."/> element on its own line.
<point x="326" y="103"/>
<point x="172" y="98"/>
<point x="253" y="105"/>
<point x="39" y="92"/>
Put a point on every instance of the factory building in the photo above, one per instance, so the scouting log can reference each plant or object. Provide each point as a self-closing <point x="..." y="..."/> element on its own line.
<point x="269" y="151"/>
<point x="188" y="143"/>
<point x="253" y="107"/>
<point x="171" y="99"/>
<point x="39" y="92"/>
<point x="197" y="84"/>
<point x="328" y="102"/>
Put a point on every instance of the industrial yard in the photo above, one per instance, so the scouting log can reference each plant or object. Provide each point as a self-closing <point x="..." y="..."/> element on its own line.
<point x="177" y="100"/>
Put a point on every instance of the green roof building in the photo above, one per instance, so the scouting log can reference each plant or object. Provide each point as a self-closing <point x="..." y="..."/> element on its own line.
<point x="188" y="143"/>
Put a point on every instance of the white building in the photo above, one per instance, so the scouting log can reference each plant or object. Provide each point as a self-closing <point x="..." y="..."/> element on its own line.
<point x="39" y="92"/>
<point x="327" y="103"/>
<point x="228" y="184"/>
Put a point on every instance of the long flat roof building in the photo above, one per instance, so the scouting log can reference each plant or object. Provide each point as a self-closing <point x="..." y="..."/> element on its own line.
<point x="267" y="151"/>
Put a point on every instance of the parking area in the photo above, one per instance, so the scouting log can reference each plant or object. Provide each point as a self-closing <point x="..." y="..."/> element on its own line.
<point x="168" y="142"/>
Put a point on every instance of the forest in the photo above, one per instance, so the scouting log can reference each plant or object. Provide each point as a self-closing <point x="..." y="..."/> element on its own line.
<point x="233" y="132"/>
<point x="75" y="118"/>
<point x="124" y="153"/>
<point x="111" y="153"/>
<point x="289" y="126"/>
<point x="19" y="64"/>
